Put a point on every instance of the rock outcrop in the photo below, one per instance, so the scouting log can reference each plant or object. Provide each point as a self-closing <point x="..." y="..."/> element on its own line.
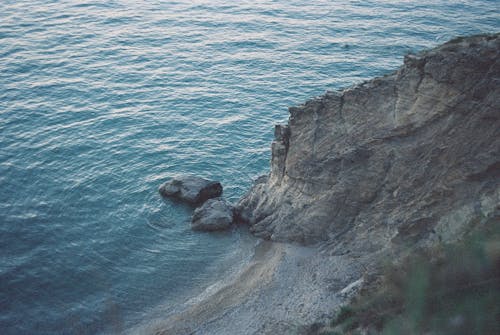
<point x="214" y="214"/>
<point x="191" y="189"/>
<point x="413" y="156"/>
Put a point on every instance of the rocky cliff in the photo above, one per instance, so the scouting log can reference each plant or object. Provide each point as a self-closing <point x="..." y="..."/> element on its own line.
<point x="409" y="159"/>
<point x="413" y="156"/>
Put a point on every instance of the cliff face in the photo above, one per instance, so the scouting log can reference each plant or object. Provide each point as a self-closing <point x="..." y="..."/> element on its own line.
<point x="413" y="156"/>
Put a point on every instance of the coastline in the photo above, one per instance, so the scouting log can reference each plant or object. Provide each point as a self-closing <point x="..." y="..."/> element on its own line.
<point x="361" y="188"/>
<point x="282" y="288"/>
<point x="375" y="162"/>
<point x="356" y="203"/>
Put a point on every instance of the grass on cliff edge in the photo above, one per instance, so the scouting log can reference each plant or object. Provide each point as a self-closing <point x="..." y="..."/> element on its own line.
<point x="453" y="289"/>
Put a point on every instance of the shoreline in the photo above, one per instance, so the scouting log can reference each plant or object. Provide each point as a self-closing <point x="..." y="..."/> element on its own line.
<point x="282" y="288"/>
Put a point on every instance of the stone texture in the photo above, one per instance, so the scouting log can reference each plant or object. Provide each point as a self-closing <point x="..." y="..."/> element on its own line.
<point x="413" y="156"/>
<point x="191" y="189"/>
<point x="214" y="214"/>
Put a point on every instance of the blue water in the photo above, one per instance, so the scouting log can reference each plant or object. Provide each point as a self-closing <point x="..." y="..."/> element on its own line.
<point x="102" y="101"/>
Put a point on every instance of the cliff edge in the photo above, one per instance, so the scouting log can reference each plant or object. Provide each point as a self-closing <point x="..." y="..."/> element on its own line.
<point x="412" y="157"/>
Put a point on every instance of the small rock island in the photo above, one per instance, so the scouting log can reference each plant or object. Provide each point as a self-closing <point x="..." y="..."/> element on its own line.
<point x="212" y="213"/>
<point x="191" y="189"/>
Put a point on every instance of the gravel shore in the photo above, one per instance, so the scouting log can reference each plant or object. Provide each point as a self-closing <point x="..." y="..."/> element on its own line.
<point x="281" y="289"/>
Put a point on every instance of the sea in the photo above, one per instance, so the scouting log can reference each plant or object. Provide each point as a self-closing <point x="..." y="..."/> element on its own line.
<point x="102" y="101"/>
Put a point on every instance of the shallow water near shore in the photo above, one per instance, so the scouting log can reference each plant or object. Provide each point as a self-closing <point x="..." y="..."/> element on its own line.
<point x="102" y="101"/>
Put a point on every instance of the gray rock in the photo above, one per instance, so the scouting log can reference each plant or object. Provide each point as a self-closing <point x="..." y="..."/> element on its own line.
<point x="413" y="156"/>
<point x="191" y="189"/>
<point x="214" y="214"/>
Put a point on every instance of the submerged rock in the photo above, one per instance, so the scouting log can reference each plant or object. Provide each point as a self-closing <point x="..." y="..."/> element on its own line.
<point x="215" y="214"/>
<point x="410" y="157"/>
<point x="191" y="189"/>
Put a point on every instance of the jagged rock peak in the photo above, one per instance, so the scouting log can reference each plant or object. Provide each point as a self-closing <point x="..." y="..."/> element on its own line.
<point x="409" y="157"/>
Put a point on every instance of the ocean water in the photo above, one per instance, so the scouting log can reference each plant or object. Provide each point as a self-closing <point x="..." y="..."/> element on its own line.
<point x="102" y="101"/>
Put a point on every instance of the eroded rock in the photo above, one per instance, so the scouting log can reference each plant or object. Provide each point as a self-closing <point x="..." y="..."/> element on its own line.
<point x="214" y="214"/>
<point x="191" y="189"/>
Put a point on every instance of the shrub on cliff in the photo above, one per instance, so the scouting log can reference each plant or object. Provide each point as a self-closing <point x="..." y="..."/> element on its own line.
<point x="453" y="289"/>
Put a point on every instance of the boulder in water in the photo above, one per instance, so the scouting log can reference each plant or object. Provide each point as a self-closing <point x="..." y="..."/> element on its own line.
<point x="215" y="214"/>
<point x="191" y="189"/>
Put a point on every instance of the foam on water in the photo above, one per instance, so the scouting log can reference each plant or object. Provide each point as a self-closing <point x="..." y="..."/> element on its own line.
<point x="101" y="101"/>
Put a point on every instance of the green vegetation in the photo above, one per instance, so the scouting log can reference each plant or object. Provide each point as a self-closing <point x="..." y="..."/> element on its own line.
<point x="453" y="289"/>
